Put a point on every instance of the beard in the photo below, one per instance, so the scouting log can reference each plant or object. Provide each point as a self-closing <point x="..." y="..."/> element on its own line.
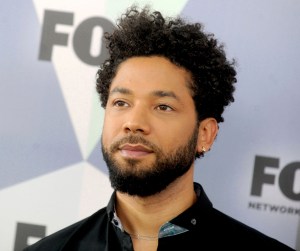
<point x="135" y="178"/>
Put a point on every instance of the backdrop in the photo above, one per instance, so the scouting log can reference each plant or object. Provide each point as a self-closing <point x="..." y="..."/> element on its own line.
<point x="51" y="169"/>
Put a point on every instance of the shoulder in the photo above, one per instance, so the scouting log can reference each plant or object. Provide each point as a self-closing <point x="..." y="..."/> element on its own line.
<point x="249" y="236"/>
<point x="59" y="239"/>
<point x="229" y="231"/>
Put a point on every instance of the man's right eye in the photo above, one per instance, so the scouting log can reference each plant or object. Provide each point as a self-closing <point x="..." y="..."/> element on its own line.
<point x="120" y="103"/>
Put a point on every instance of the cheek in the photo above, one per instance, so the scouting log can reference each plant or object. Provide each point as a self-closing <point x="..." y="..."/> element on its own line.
<point x="108" y="131"/>
<point x="171" y="138"/>
<point x="177" y="136"/>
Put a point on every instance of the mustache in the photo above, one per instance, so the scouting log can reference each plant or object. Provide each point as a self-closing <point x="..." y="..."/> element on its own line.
<point x="132" y="139"/>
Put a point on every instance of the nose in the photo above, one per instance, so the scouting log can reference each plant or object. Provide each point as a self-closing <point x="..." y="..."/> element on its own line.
<point x="137" y="121"/>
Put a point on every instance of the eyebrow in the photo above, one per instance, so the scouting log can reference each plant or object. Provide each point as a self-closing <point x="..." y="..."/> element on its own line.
<point x="157" y="93"/>
<point x="165" y="94"/>
<point x="120" y="90"/>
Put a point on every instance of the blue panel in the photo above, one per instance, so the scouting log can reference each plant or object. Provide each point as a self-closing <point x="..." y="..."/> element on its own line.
<point x="36" y="134"/>
<point x="97" y="160"/>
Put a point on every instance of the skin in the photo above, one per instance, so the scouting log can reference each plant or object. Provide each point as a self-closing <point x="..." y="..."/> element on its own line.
<point x="136" y="106"/>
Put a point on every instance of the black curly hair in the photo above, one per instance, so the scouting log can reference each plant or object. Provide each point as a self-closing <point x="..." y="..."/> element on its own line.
<point x="147" y="33"/>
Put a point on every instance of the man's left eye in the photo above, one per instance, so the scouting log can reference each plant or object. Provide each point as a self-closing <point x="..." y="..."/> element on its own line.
<point x="164" y="108"/>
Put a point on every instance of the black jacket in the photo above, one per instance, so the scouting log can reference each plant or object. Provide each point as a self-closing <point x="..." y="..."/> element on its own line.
<point x="208" y="229"/>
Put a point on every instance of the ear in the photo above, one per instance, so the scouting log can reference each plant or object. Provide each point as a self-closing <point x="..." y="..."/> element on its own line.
<point x="208" y="130"/>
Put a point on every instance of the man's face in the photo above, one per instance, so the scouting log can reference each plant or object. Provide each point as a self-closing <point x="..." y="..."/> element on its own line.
<point x="150" y="131"/>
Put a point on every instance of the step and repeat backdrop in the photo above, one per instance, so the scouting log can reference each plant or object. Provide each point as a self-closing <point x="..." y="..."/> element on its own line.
<point x="51" y="169"/>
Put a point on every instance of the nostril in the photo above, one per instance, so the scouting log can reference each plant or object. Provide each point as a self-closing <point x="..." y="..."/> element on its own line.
<point x="133" y="128"/>
<point x="136" y="124"/>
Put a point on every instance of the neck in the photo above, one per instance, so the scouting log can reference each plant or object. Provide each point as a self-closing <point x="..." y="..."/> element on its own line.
<point x="143" y="216"/>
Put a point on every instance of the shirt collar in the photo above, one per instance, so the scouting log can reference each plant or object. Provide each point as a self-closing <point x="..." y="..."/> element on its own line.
<point x="180" y="224"/>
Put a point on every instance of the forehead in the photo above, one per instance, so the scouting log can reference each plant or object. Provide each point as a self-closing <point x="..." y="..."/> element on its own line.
<point x="152" y="73"/>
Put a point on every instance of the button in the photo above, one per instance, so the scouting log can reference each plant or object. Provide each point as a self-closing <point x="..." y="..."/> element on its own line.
<point x="193" y="221"/>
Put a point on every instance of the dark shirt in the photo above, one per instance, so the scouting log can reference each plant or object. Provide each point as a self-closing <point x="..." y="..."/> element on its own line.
<point x="201" y="227"/>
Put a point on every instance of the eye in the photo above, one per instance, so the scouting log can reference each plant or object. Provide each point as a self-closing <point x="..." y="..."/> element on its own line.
<point x="164" y="108"/>
<point x="120" y="103"/>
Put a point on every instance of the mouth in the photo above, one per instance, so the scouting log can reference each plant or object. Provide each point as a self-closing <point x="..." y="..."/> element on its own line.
<point x="134" y="151"/>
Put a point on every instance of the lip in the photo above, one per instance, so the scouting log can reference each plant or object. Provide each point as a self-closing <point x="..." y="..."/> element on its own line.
<point x="134" y="151"/>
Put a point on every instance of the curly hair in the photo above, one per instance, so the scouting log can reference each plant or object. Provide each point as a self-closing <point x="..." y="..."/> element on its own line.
<point x="147" y="33"/>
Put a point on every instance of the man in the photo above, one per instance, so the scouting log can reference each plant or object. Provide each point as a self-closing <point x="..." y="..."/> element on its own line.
<point x="164" y="89"/>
